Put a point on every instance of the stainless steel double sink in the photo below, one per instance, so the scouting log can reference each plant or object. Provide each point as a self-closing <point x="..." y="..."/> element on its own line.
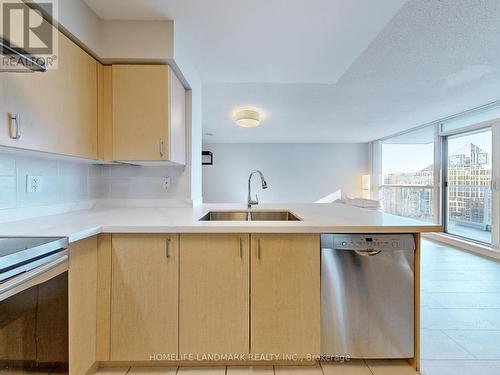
<point x="250" y="215"/>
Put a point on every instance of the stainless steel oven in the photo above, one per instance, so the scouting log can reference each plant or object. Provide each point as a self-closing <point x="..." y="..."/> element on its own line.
<point x="34" y="303"/>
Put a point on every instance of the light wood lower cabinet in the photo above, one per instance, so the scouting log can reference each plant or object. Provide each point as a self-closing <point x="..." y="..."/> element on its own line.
<point x="203" y="294"/>
<point x="214" y="299"/>
<point x="144" y="296"/>
<point x="82" y="287"/>
<point x="285" y="290"/>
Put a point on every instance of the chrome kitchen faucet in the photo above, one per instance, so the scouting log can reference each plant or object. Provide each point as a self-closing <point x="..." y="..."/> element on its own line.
<point x="264" y="186"/>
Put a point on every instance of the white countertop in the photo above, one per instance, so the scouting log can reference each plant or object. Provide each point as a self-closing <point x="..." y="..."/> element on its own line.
<point x="316" y="218"/>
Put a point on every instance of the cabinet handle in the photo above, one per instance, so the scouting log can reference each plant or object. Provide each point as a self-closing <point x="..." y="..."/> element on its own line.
<point x="259" y="249"/>
<point x="15" y="126"/>
<point x="162" y="147"/>
<point x="167" y="250"/>
<point x="241" y="247"/>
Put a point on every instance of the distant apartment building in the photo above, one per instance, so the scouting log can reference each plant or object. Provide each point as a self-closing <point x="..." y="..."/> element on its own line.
<point x="469" y="194"/>
<point x="469" y="177"/>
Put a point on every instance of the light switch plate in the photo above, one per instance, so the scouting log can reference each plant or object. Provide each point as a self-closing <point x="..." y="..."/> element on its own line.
<point x="33" y="184"/>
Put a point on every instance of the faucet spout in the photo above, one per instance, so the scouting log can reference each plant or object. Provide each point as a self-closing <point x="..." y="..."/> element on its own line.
<point x="250" y="201"/>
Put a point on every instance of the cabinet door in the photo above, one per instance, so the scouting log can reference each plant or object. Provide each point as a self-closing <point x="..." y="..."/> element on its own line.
<point x="214" y="301"/>
<point x="140" y="112"/>
<point x="143" y="296"/>
<point x="57" y="108"/>
<point x="82" y="287"/>
<point x="285" y="306"/>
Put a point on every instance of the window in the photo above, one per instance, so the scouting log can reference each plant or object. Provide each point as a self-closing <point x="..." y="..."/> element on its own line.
<point x="468" y="193"/>
<point x="407" y="172"/>
<point x="445" y="173"/>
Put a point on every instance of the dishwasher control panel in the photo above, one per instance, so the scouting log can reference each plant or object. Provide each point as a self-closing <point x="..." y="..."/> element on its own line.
<point x="365" y="242"/>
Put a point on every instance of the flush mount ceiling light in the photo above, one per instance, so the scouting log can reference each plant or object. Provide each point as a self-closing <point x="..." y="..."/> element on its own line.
<point x="247" y="118"/>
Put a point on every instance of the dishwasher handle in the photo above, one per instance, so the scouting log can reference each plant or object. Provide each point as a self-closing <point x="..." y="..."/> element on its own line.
<point x="367" y="253"/>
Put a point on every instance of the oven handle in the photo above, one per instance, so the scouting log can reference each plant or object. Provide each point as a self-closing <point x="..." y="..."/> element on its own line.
<point x="34" y="277"/>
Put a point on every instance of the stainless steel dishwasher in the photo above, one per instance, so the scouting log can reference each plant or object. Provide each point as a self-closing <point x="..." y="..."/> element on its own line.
<point x="367" y="295"/>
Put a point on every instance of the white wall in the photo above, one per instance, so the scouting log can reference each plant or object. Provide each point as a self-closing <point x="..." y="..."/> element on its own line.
<point x="81" y="22"/>
<point x="295" y="172"/>
<point x="114" y="40"/>
<point x="185" y="64"/>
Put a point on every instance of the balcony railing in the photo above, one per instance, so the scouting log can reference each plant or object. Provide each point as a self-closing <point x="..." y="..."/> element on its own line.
<point x="413" y="201"/>
<point x="469" y="211"/>
<point x="469" y="207"/>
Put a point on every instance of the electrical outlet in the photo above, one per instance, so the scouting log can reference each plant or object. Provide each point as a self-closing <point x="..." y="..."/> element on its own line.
<point x="33" y="184"/>
<point x="167" y="181"/>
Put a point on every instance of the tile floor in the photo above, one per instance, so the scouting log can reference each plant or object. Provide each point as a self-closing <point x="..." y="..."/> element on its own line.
<point x="349" y="368"/>
<point x="460" y="326"/>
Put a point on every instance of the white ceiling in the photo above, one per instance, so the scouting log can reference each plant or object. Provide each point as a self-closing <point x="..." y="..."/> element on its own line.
<point x="332" y="71"/>
<point x="281" y="41"/>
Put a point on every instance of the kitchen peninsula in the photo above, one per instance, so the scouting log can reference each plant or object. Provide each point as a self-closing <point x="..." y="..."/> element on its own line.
<point x="149" y="283"/>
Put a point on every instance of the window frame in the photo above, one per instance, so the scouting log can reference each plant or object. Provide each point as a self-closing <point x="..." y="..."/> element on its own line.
<point x="439" y="170"/>
<point x="379" y="185"/>
<point x="493" y="126"/>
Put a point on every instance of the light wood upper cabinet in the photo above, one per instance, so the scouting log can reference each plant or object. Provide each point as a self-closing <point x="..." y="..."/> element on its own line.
<point x="214" y="299"/>
<point x="285" y="290"/>
<point x="148" y="113"/>
<point x="84" y="109"/>
<point x="57" y="108"/>
<point x="144" y="295"/>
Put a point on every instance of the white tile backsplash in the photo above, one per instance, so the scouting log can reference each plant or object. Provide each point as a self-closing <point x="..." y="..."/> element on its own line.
<point x="7" y="192"/>
<point x="66" y="182"/>
<point x="138" y="182"/>
<point x="62" y="182"/>
<point x="7" y="166"/>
